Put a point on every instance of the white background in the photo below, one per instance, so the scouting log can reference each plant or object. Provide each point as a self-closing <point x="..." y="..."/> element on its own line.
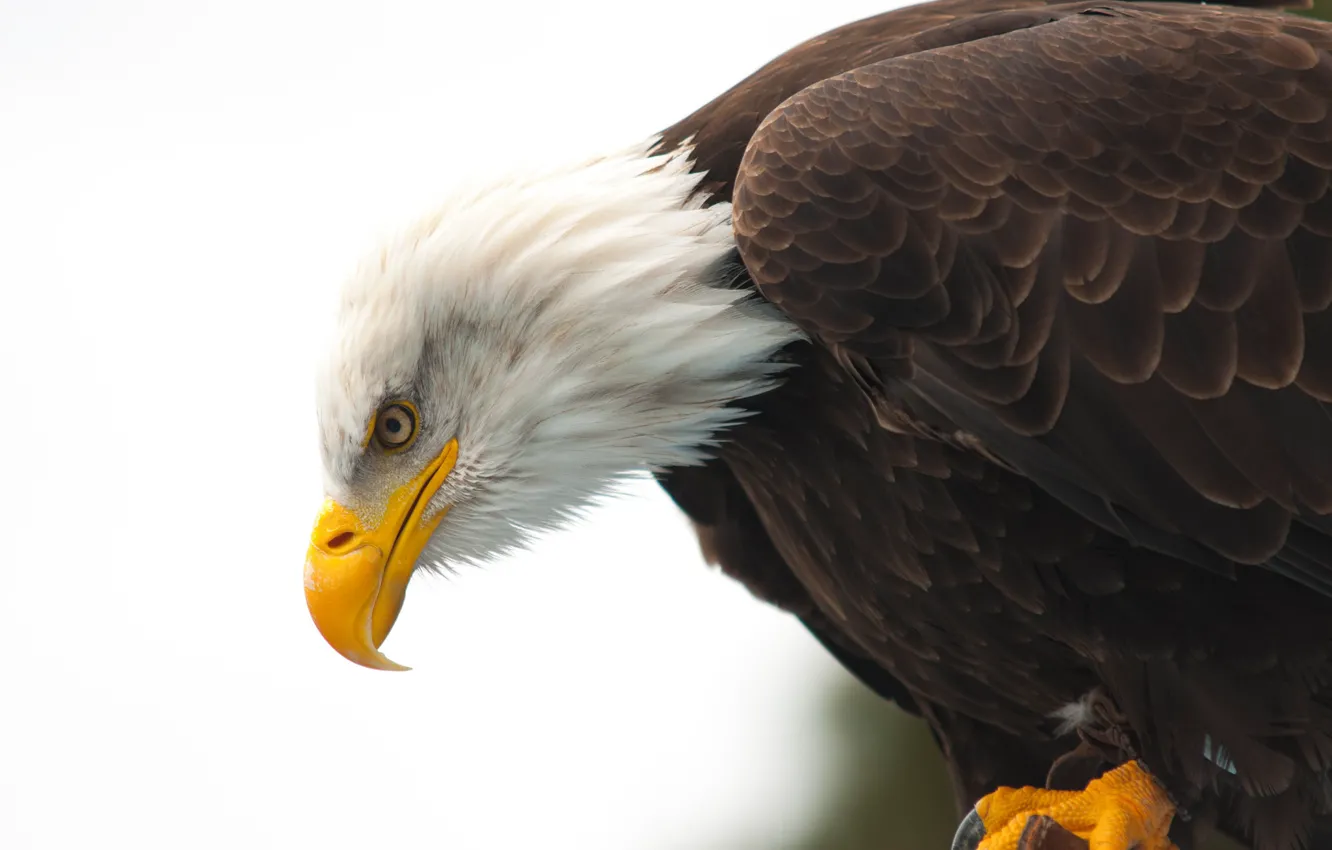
<point x="182" y="189"/>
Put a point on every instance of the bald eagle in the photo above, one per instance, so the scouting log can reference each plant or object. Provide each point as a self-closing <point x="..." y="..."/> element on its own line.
<point x="990" y="338"/>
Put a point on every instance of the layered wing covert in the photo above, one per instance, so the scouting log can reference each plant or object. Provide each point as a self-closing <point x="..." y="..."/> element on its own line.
<point x="1100" y="244"/>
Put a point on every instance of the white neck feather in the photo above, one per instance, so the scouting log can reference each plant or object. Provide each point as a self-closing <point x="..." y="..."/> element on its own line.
<point x="570" y="326"/>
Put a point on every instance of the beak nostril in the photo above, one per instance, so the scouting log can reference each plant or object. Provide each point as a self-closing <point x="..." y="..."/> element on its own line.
<point x="340" y="540"/>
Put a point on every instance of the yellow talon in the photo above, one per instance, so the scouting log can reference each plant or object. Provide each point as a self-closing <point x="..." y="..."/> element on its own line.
<point x="1126" y="809"/>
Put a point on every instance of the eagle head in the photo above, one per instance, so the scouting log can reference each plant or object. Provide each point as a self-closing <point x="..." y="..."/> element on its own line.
<point x="506" y="360"/>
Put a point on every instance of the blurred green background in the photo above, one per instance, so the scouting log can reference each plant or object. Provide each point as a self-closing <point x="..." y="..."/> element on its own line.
<point x="891" y="791"/>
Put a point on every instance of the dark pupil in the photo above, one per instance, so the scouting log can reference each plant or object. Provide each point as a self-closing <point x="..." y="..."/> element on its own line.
<point x="393" y="426"/>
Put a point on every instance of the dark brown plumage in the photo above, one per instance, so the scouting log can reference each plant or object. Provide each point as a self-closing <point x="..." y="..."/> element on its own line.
<point x="1064" y="427"/>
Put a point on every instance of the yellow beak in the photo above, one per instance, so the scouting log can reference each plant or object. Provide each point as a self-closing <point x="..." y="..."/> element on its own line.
<point x="356" y="573"/>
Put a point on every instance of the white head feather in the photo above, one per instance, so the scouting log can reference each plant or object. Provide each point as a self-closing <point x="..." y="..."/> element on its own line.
<point x="569" y="326"/>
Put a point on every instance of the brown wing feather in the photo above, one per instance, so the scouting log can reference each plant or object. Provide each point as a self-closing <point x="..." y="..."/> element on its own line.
<point x="1102" y="235"/>
<point x="966" y="251"/>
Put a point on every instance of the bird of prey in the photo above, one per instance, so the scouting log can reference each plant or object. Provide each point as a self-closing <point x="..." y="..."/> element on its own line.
<point x="990" y="338"/>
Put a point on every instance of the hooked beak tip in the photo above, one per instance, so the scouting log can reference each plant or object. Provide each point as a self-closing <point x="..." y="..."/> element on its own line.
<point x="340" y="591"/>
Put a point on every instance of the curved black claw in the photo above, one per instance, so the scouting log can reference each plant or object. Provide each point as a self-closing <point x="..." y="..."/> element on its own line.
<point x="969" y="832"/>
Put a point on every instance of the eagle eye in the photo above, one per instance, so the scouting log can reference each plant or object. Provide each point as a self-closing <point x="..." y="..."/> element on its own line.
<point x="395" y="426"/>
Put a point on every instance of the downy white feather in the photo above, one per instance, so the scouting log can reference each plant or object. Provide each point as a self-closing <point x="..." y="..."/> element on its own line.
<point x="570" y="326"/>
